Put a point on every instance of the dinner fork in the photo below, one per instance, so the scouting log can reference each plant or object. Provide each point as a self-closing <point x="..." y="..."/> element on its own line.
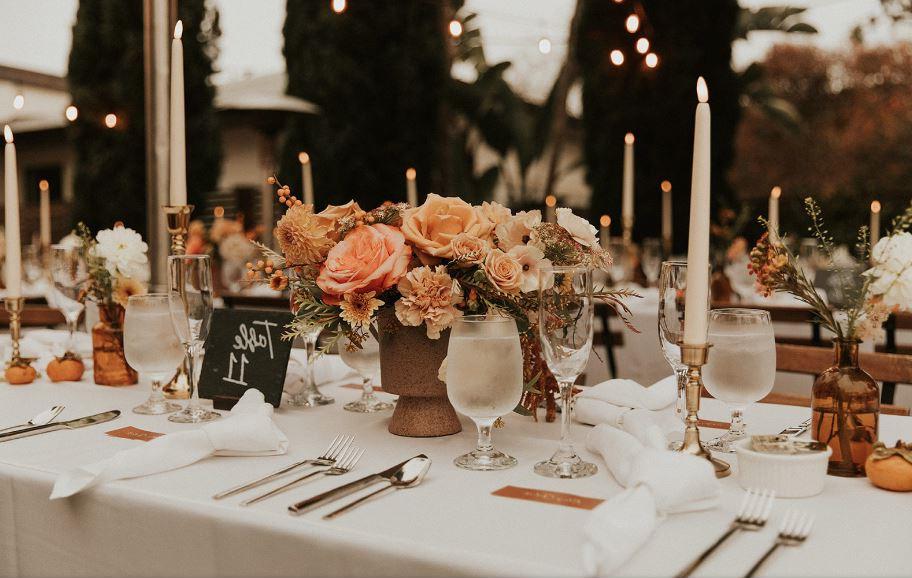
<point x="793" y="531"/>
<point x="344" y="465"/>
<point x="328" y="458"/>
<point x="752" y="515"/>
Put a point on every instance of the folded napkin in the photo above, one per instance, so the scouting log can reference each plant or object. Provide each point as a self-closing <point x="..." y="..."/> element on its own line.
<point x="657" y="482"/>
<point x="644" y="412"/>
<point x="248" y="430"/>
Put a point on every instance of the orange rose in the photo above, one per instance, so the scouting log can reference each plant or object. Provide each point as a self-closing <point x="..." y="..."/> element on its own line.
<point x="432" y="227"/>
<point x="370" y="258"/>
<point x="337" y="212"/>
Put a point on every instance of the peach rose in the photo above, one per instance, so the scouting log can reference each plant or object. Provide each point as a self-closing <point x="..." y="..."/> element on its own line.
<point x="338" y="212"/>
<point x="370" y="258"/>
<point x="504" y="271"/>
<point x="432" y="227"/>
<point x="469" y="249"/>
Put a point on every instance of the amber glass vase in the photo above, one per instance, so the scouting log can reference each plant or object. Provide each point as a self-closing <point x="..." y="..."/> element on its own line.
<point x="846" y="411"/>
<point x="109" y="362"/>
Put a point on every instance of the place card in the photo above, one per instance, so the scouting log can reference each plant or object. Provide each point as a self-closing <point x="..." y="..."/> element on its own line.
<point x="547" y="497"/>
<point x="134" y="433"/>
<point x="377" y="388"/>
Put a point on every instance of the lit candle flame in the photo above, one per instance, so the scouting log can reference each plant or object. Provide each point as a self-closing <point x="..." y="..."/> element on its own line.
<point x="776" y="192"/>
<point x="43" y="185"/>
<point x="550" y="201"/>
<point x="605" y="221"/>
<point x="8" y="133"/>
<point x="702" y="90"/>
<point x="178" y="30"/>
<point x="666" y="186"/>
<point x="303" y="158"/>
<point x="875" y="206"/>
<point x="629" y="138"/>
<point x="219" y="212"/>
<point x="411" y="174"/>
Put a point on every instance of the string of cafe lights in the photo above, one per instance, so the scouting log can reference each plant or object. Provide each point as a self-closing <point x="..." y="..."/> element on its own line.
<point x="71" y="113"/>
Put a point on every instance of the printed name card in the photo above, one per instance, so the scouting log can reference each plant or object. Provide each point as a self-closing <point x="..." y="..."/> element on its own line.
<point x="134" y="433"/>
<point x="245" y="350"/>
<point x="547" y="497"/>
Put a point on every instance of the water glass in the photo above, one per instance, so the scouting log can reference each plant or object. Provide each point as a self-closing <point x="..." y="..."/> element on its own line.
<point x="651" y="260"/>
<point x="742" y="365"/>
<point x="565" y="320"/>
<point x="309" y="395"/>
<point x="190" y="305"/>
<point x="68" y="273"/>
<point x="32" y="266"/>
<point x="620" y="261"/>
<point x="152" y="347"/>
<point x="484" y="377"/>
<point x="366" y="361"/>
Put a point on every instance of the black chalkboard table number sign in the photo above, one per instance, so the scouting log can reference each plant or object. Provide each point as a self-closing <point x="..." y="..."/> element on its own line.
<point x="245" y="350"/>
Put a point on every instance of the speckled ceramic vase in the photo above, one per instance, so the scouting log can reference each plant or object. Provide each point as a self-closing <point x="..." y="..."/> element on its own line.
<point x="409" y="362"/>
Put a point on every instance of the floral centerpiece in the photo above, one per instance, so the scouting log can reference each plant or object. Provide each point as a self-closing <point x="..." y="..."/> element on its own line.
<point x="422" y="267"/>
<point x="845" y="398"/>
<point x="117" y="268"/>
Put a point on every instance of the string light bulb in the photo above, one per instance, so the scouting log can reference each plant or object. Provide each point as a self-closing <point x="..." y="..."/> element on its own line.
<point x="652" y="60"/>
<point x="642" y="45"/>
<point x="632" y="23"/>
<point x="617" y="57"/>
<point x="72" y="113"/>
<point x="19" y="101"/>
<point x="544" y="45"/>
<point x="455" y="28"/>
<point x="339" y="6"/>
<point x="110" y="120"/>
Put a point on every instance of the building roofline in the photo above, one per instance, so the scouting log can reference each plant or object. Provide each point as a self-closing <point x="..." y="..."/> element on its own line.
<point x="32" y="78"/>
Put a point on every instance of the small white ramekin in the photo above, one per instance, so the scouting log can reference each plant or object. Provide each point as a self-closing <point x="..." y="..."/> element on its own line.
<point x="789" y="475"/>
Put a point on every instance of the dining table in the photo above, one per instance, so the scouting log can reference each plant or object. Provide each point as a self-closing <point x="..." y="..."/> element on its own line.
<point x="452" y="524"/>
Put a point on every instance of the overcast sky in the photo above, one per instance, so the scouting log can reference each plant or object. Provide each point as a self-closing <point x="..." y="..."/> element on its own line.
<point x="36" y="34"/>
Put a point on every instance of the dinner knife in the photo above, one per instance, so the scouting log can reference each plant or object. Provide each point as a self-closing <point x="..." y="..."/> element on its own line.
<point x="797" y="430"/>
<point x="350" y="488"/>
<point x="60" y="425"/>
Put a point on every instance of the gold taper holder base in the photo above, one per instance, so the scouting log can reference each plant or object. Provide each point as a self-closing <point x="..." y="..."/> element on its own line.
<point x="14" y="306"/>
<point x="694" y="357"/>
<point x="178" y="223"/>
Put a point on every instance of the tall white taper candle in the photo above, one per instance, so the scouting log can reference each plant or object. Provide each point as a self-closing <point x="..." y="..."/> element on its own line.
<point x="44" y="213"/>
<point x="696" y="298"/>
<point x="627" y="189"/>
<point x="875" y="223"/>
<point x="178" y="180"/>
<point x="773" y="216"/>
<point x="666" y="214"/>
<point x="411" y="187"/>
<point x="13" y="265"/>
<point x="307" y="178"/>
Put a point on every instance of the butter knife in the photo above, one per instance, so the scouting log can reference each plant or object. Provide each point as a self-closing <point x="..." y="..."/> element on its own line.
<point x="60" y="425"/>
<point x="797" y="430"/>
<point x="388" y="475"/>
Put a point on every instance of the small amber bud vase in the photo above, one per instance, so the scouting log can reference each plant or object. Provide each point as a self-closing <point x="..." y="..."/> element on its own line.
<point x="846" y="411"/>
<point x="110" y="365"/>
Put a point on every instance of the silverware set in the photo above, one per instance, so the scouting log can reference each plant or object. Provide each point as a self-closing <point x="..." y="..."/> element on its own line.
<point x="339" y="458"/>
<point x="752" y="516"/>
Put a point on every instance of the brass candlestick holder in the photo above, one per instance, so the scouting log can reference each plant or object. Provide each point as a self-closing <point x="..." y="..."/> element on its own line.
<point x="178" y="223"/>
<point x="19" y="370"/>
<point x="694" y="357"/>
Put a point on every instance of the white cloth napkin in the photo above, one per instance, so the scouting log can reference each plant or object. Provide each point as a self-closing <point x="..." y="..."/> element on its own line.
<point x="248" y="430"/>
<point x="657" y="482"/>
<point x="45" y="343"/>
<point x="644" y="412"/>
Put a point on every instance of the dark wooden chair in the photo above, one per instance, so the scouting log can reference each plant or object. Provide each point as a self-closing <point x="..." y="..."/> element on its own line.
<point x="784" y="314"/>
<point x="896" y="322"/>
<point x="35" y="316"/>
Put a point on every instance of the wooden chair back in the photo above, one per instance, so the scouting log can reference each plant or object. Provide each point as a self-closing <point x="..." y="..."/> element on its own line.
<point x="35" y="316"/>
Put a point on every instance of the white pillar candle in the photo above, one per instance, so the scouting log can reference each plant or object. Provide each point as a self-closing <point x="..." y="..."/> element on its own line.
<point x="696" y="298"/>
<point x="773" y="216"/>
<point x="875" y="222"/>
<point x="44" y="213"/>
<point x="178" y="181"/>
<point x="13" y="265"/>
<point x="605" y="233"/>
<point x="307" y="178"/>
<point x="666" y="215"/>
<point x="627" y="189"/>
<point x="411" y="187"/>
<point x="550" y="209"/>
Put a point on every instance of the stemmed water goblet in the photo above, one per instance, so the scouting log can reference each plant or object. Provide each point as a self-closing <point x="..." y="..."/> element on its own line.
<point x="565" y="321"/>
<point x="484" y="377"/>
<point x="152" y="347"/>
<point x="309" y="395"/>
<point x="651" y="260"/>
<point x="742" y="365"/>
<point x="366" y="361"/>
<point x="68" y="273"/>
<point x="190" y="305"/>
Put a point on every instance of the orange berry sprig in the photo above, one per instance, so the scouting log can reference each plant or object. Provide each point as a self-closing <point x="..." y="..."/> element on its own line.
<point x="284" y="193"/>
<point x="262" y="270"/>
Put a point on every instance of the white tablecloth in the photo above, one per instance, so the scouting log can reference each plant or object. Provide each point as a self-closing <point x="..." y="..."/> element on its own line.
<point x="167" y="525"/>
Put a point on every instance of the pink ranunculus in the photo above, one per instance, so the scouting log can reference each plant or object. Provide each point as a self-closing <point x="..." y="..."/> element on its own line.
<point x="369" y="258"/>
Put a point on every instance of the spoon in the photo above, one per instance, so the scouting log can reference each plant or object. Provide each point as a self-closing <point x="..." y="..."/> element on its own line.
<point x="408" y="477"/>
<point x="45" y="417"/>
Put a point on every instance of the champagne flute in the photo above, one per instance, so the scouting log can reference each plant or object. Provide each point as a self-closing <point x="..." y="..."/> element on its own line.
<point x="309" y="395"/>
<point x="484" y="377"/>
<point x="742" y="365"/>
<point x="651" y="260"/>
<point x="68" y="273"/>
<point x="190" y="305"/>
<point x="565" y="322"/>
<point x="620" y="261"/>
<point x="672" y="282"/>
<point x="366" y="361"/>
<point x="152" y="347"/>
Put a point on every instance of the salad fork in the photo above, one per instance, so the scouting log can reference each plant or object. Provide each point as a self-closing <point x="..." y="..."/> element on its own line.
<point x="344" y="465"/>
<point x="793" y="531"/>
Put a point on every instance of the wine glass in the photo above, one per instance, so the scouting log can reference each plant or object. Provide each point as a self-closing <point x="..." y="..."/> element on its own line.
<point x="32" y="268"/>
<point x="651" y="259"/>
<point x="152" y="347"/>
<point x="742" y="365"/>
<point x="809" y="258"/>
<point x="309" y="395"/>
<point x="366" y="361"/>
<point x="68" y="273"/>
<point x="619" y="269"/>
<point x="484" y="377"/>
<point x="190" y="304"/>
<point x="565" y="319"/>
